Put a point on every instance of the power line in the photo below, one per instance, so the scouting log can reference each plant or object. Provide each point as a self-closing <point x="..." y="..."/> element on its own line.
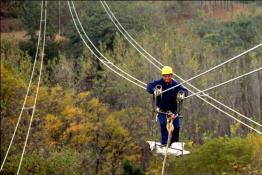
<point x="156" y="59"/>
<point x="231" y="116"/>
<point x="161" y="63"/>
<point x="99" y="51"/>
<point x="223" y="83"/>
<point x="213" y="68"/>
<point x="37" y="90"/>
<point x="28" y="88"/>
<point x="109" y="11"/>
<point x="206" y="95"/>
<point x="228" y="81"/>
<point x="102" y="61"/>
<point x="127" y="37"/>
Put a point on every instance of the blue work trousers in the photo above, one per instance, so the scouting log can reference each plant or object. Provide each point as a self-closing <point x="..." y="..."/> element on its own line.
<point x="164" y="133"/>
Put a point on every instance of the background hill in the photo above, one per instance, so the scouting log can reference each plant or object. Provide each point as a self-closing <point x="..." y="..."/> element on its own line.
<point x="89" y="121"/>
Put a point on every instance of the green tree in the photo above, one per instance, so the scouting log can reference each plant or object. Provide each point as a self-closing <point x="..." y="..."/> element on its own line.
<point x="130" y="170"/>
<point x="218" y="156"/>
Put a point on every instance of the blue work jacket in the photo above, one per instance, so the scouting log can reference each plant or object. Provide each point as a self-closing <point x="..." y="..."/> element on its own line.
<point x="167" y="100"/>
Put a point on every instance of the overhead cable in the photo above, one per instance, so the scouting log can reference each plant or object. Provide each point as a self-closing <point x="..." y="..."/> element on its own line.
<point x="37" y="91"/>
<point x="28" y="87"/>
<point x="101" y="60"/>
<point x="108" y="10"/>
<point x="226" y="82"/>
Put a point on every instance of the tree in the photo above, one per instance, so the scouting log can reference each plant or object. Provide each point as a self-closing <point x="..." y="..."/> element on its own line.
<point x="130" y="170"/>
<point x="218" y="156"/>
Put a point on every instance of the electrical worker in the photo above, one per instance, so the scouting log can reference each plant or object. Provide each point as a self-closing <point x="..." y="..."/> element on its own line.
<point x="167" y="102"/>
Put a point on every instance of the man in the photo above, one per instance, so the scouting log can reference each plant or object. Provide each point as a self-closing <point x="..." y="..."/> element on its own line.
<point x="167" y="102"/>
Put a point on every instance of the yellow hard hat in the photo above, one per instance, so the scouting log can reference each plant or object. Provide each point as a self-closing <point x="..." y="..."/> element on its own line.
<point x="166" y="70"/>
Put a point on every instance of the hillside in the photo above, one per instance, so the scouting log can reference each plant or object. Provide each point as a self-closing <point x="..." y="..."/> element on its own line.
<point x="77" y="88"/>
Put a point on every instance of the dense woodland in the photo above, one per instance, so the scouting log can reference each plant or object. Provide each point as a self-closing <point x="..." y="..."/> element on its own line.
<point x="90" y="121"/>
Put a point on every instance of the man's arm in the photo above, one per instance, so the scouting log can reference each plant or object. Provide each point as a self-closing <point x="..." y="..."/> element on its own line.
<point x="151" y="86"/>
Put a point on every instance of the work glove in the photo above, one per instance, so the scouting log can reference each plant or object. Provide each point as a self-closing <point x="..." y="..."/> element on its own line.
<point x="180" y="96"/>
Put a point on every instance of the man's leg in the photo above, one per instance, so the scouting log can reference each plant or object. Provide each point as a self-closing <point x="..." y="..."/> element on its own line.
<point x="175" y="135"/>
<point x="164" y="133"/>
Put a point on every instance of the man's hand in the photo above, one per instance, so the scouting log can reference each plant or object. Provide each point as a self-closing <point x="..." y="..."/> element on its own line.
<point x="171" y="115"/>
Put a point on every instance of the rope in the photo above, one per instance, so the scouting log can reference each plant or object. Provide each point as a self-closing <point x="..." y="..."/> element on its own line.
<point x="153" y="115"/>
<point x="217" y="66"/>
<point x="170" y="128"/>
<point x="175" y="74"/>
<point x="37" y="90"/>
<point x="96" y="54"/>
<point x="180" y="104"/>
<point x="79" y="22"/>
<point x="155" y="112"/>
<point x="28" y="88"/>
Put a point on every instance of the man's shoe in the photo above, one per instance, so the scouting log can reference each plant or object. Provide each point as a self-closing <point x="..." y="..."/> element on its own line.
<point x="163" y="145"/>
